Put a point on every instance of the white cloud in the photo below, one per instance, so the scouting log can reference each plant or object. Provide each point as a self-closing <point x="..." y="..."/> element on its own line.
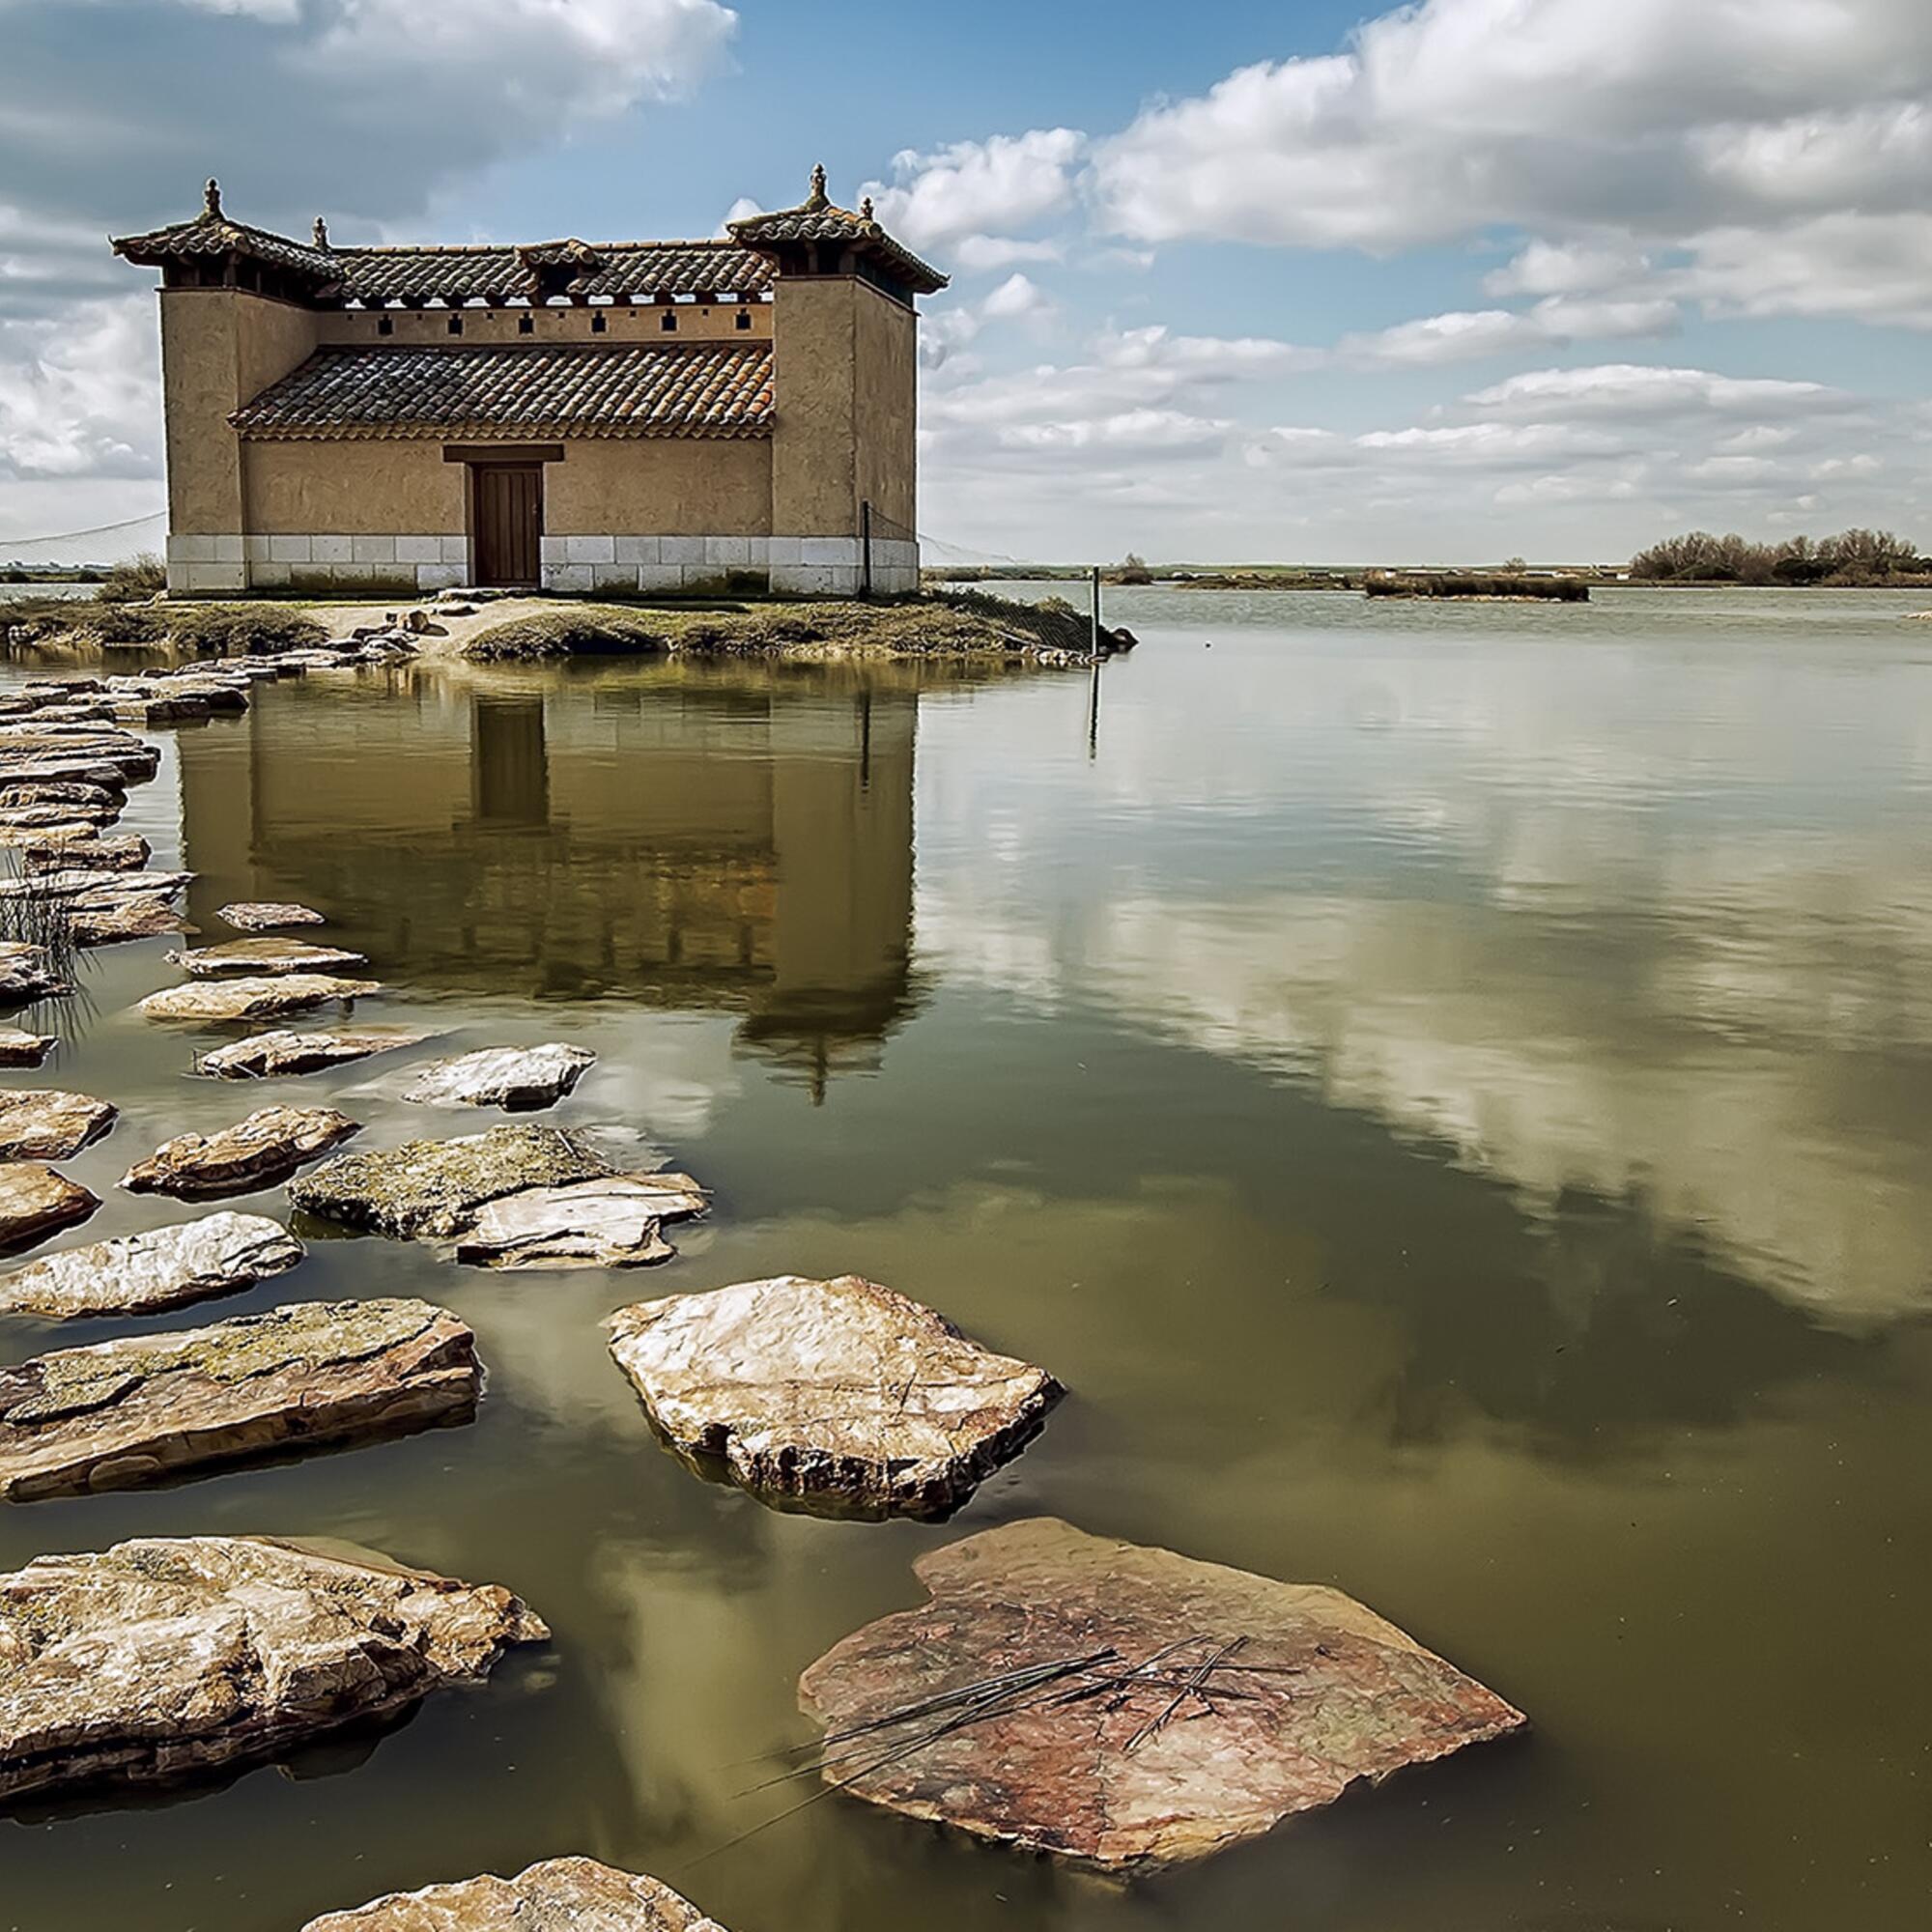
<point x="1016" y="297"/>
<point x="1461" y="335"/>
<point x="980" y="189"/>
<point x="1635" y="389"/>
<point x="1874" y="267"/>
<point x="980" y="254"/>
<point x="1565" y="268"/>
<point x="82" y="393"/>
<point x="1445" y="119"/>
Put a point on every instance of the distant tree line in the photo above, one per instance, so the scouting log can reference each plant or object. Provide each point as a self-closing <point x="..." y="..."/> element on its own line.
<point x="1850" y="558"/>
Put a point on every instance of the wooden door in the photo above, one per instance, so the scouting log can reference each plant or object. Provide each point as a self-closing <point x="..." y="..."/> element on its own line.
<point x="508" y="523"/>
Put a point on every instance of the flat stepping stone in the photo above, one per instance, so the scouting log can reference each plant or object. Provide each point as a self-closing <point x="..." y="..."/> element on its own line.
<point x="839" y="1396"/>
<point x="267" y="1147"/>
<point x="257" y="997"/>
<point x="24" y="1049"/>
<point x="49" y="1125"/>
<point x="313" y="1375"/>
<point x="36" y="1202"/>
<point x="513" y="1077"/>
<point x="615" y="1221"/>
<point x="127" y="854"/>
<point x="27" y="973"/>
<point x="265" y="914"/>
<point x="265" y="1054"/>
<point x="81" y="801"/>
<point x="559" y="1892"/>
<point x="130" y="919"/>
<point x="166" y="1656"/>
<point x="1218" y="1703"/>
<point x="98" y="886"/>
<point x="436" y="1187"/>
<point x="40" y="814"/>
<point x="157" y="1269"/>
<point x="265" y="955"/>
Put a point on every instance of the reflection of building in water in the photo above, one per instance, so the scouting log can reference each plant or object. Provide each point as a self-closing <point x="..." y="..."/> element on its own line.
<point x="695" y="840"/>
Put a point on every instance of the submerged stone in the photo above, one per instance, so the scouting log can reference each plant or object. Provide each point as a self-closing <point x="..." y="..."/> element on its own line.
<point x="267" y="1147"/>
<point x="315" y="1374"/>
<point x="1220" y="1702"/>
<point x="514" y="1077"/>
<point x="559" y="1894"/>
<point x="26" y="973"/>
<point x="130" y="919"/>
<point x="36" y="1202"/>
<point x="265" y="955"/>
<point x="159" y="1269"/>
<point x="49" y="1125"/>
<point x="835" y="1395"/>
<point x="263" y="1053"/>
<point x="254" y="998"/>
<point x="169" y="1655"/>
<point x="265" y="914"/>
<point x="435" y="1187"/>
<point x="24" y="1049"/>
<point x="615" y="1221"/>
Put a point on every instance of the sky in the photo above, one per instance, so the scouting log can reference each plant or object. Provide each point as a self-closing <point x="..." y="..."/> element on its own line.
<point x="1296" y="281"/>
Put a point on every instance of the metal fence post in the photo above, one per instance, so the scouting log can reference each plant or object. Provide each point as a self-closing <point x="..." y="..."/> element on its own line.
<point x="866" y="544"/>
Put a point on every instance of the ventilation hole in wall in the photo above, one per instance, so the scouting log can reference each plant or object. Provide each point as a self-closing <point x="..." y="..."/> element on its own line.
<point x="385" y="325"/>
<point x="668" y="321"/>
<point x="597" y="325"/>
<point x="743" y="318"/>
<point x="456" y="324"/>
<point x="526" y="324"/>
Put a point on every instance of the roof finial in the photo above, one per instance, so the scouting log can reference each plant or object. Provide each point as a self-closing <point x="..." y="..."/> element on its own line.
<point x="865" y="208"/>
<point x="817" y="198"/>
<point x="321" y="233"/>
<point x="211" y="198"/>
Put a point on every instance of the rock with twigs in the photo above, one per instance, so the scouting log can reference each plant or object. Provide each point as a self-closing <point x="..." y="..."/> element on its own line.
<point x="1124" y="1707"/>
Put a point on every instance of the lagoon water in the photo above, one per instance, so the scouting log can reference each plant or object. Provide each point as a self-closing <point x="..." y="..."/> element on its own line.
<point x="1448" y="1089"/>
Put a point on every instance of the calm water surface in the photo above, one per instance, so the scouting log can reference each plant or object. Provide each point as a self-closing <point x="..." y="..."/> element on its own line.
<point x="1446" y="1089"/>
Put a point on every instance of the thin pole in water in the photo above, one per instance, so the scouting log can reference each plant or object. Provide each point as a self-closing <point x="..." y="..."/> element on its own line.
<point x="1094" y="634"/>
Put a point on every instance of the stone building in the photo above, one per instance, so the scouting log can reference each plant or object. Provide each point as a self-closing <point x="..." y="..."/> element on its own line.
<point x="732" y="414"/>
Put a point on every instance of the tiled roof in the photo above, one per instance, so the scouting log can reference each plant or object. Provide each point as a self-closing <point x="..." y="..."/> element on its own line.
<point x="537" y="389"/>
<point x="617" y="268"/>
<point x="212" y="233"/>
<point x="818" y="220"/>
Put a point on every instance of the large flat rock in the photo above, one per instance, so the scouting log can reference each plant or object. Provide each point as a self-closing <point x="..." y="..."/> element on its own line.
<point x="435" y="1187"/>
<point x="266" y="953"/>
<point x="265" y="1054"/>
<point x="46" y="1123"/>
<point x="615" y="1221"/>
<point x="257" y="997"/>
<point x="159" y="1269"/>
<point x="558" y="1895"/>
<point x="265" y="914"/>
<point x="27" y="973"/>
<point x="1152" y="1709"/>
<point x="168" y="1655"/>
<point x="311" y="1374"/>
<point x="36" y="1202"/>
<point x="513" y="1077"/>
<point x="266" y="1147"/>
<point x="839" y="1396"/>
